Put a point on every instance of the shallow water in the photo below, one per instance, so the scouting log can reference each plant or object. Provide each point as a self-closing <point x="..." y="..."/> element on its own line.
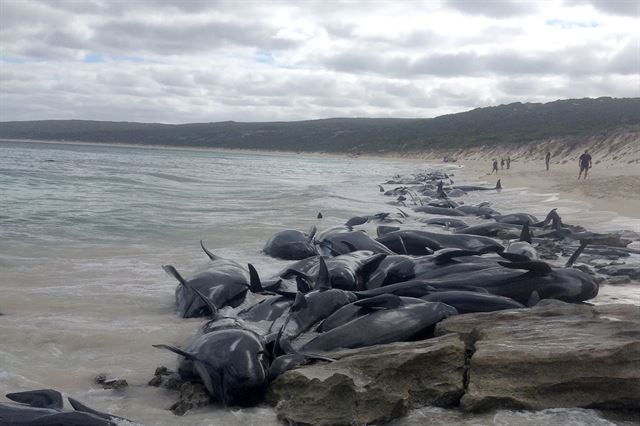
<point x="84" y="230"/>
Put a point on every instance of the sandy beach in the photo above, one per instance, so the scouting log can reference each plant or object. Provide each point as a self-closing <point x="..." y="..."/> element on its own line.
<point x="609" y="186"/>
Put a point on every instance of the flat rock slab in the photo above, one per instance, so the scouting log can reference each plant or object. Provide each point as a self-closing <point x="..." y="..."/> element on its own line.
<point x="553" y="355"/>
<point x="372" y="385"/>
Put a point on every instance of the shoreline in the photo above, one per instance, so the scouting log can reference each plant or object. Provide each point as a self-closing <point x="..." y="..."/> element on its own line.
<point x="612" y="185"/>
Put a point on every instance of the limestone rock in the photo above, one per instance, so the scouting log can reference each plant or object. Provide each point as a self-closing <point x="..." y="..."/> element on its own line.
<point x="192" y="395"/>
<point x="372" y="385"/>
<point x="110" y="382"/>
<point x="553" y="355"/>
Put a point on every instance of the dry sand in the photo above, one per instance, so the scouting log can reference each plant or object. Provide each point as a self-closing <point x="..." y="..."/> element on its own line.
<point x="613" y="183"/>
<point x="609" y="186"/>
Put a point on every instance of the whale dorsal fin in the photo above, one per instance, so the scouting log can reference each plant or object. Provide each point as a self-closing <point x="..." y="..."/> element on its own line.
<point x="300" y="302"/>
<point x="208" y="253"/>
<point x="42" y="398"/>
<point x="169" y="269"/>
<point x="525" y="235"/>
<point x="254" y="280"/>
<point x="323" y="282"/>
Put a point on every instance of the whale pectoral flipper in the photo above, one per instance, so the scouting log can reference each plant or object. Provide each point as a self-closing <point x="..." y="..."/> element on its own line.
<point x="576" y="254"/>
<point x="213" y="308"/>
<point x="42" y="398"/>
<point x="177" y="350"/>
<point x="169" y="269"/>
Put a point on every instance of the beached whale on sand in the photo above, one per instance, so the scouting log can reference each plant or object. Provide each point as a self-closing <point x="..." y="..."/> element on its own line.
<point x="469" y="188"/>
<point x="233" y="364"/>
<point x="291" y="245"/>
<point x="222" y="281"/>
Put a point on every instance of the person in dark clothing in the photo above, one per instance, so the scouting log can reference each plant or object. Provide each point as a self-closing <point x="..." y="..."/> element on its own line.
<point x="502" y="163"/>
<point x="508" y="162"/>
<point x="547" y="158"/>
<point x="495" y="166"/>
<point x="585" y="164"/>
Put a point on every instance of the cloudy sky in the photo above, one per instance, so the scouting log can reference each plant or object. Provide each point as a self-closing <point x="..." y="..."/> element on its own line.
<point x="185" y="61"/>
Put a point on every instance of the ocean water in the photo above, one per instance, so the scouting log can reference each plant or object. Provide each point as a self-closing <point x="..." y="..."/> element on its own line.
<point x="85" y="228"/>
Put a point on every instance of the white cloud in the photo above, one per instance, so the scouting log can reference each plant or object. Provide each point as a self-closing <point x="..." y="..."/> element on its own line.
<point x="187" y="61"/>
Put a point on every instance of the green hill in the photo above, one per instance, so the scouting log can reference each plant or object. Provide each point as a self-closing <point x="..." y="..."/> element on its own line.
<point x="514" y="123"/>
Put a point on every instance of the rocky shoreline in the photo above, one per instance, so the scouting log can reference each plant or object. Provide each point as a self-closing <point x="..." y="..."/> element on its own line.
<point x="552" y="355"/>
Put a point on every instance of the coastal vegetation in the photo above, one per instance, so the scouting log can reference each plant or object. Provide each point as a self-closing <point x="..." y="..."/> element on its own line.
<point x="515" y="123"/>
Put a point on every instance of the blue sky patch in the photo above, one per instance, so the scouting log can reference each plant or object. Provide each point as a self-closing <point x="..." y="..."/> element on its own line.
<point x="93" y="58"/>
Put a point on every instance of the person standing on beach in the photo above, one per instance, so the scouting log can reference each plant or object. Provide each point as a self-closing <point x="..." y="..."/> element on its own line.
<point x="502" y="163"/>
<point x="495" y="166"/>
<point x="585" y="164"/>
<point x="508" y="162"/>
<point x="547" y="158"/>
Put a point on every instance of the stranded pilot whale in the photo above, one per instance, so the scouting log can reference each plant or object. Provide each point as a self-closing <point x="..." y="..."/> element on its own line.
<point x="222" y="281"/>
